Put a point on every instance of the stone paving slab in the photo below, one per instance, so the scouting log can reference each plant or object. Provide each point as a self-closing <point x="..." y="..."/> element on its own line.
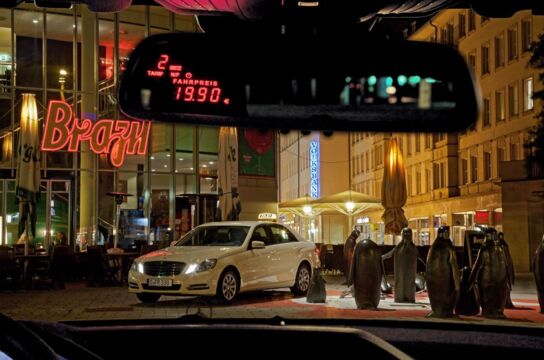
<point x="79" y="302"/>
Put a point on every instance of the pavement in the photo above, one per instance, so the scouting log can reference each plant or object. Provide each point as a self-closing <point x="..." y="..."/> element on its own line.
<point x="79" y="302"/>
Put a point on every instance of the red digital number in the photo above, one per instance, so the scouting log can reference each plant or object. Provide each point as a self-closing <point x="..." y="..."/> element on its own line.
<point x="178" y="93"/>
<point x="216" y="93"/>
<point x="202" y="92"/>
<point x="189" y="93"/>
<point x="161" y="65"/>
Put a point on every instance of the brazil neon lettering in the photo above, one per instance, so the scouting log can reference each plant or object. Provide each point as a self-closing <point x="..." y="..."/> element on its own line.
<point x="115" y="138"/>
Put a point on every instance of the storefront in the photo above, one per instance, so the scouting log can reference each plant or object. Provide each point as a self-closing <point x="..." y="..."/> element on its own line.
<point x="173" y="183"/>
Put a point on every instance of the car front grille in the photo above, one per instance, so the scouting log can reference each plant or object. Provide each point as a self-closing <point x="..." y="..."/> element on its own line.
<point x="163" y="268"/>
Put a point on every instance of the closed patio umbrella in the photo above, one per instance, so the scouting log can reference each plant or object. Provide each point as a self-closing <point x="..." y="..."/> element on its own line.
<point x="28" y="169"/>
<point x="227" y="174"/>
<point x="394" y="190"/>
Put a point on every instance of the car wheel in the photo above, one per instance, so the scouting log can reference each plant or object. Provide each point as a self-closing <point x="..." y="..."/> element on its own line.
<point x="302" y="280"/>
<point x="228" y="287"/>
<point x="148" y="298"/>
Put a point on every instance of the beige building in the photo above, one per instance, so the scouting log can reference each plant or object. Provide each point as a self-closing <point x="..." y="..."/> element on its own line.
<point x="452" y="179"/>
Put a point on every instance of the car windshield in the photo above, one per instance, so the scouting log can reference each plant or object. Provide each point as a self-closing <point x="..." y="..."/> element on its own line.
<point x="106" y="216"/>
<point x="215" y="236"/>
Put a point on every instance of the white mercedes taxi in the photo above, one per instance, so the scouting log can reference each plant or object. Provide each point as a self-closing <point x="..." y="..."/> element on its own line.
<point x="225" y="258"/>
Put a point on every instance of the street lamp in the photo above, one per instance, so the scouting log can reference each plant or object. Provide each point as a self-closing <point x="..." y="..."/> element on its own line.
<point x="350" y="205"/>
<point x="62" y="81"/>
<point x="307" y="210"/>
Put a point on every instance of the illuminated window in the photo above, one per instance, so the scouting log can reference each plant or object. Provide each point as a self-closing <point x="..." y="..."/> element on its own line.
<point x="500" y="114"/>
<point x="528" y="94"/>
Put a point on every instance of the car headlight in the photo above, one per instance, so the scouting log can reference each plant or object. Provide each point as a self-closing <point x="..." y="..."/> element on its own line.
<point x="137" y="266"/>
<point x="206" y="265"/>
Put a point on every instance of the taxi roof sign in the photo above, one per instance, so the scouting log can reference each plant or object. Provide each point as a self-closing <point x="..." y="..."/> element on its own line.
<point x="267" y="216"/>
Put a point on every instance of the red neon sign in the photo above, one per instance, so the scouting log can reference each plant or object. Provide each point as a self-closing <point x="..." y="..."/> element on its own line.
<point x="116" y="138"/>
<point x="187" y="87"/>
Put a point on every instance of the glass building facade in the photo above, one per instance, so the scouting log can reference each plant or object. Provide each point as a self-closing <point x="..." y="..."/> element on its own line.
<point x="78" y="56"/>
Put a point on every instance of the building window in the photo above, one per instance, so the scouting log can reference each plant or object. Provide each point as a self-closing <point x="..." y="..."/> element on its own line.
<point x="408" y="144"/>
<point x="526" y="35"/>
<point x="471" y="60"/>
<point x="367" y="162"/>
<point x="418" y="143"/>
<point x="486" y="112"/>
<point x="499" y="51"/>
<point x="464" y="171"/>
<point x="418" y="181"/>
<point x="379" y="155"/>
<point x="513" y="100"/>
<point x="428" y="139"/>
<point x="499" y="106"/>
<point x="409" y="184"/>
<point x="462" y="25"/>
<point x="427" y="180"/>
<point x="439" y="175"/>
<point x="473" y="168"/>
<point x="487" y="165"/>
<point x="449" y="34"/>
<point x="471" y="21"/>
<point x="528" y="94"/>
<point x="512" y="44"/>
<point x="513" y="152"/>
<point x="500" y="158"/>
<point x="485" y="59"/>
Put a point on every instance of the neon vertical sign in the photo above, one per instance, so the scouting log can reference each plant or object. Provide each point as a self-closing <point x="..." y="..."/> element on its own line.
<point x="315" y="187"/>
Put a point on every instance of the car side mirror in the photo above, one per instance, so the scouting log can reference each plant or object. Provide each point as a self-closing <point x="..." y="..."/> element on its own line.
<point x="256" y="244"/>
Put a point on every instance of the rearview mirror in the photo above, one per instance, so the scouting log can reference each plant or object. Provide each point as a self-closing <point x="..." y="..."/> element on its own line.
<point x="256" y="244"/>
<point x="318" y="83"/>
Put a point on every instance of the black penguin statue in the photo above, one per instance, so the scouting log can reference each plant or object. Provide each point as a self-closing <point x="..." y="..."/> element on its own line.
<point x="442" y="275"/>
<point x="490" y="276"/>
<point x="349" y="247"/>
<point x="317" y="292"/>
<point x="538" y="272"/>
<point x="504" y="244"/>
<point x="405" y="256"/>
<point x="467" y="304"/>
<point x="366" y="274"/>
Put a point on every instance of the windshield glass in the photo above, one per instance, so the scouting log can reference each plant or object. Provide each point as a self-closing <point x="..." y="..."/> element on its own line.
<point x="215" y="236"/>
<point x="104" y="216"/>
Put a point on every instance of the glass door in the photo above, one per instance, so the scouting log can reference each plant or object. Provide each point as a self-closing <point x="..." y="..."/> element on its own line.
<point x="52" y="212"/>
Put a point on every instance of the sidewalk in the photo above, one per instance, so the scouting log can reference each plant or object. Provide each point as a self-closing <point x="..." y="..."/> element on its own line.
<point x="79" y="302"/>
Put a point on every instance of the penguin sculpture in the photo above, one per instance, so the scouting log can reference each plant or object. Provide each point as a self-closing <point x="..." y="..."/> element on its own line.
<point x="538" y="271"/>
<point x="317" y="292"/>
<point x="504" y="244"/>
<point x="490" y="275"/>
<point x="349" y="246"/>
<point x="405" y="256"/>
<point x="366" y="274"/>
<point x="442" y="275"/>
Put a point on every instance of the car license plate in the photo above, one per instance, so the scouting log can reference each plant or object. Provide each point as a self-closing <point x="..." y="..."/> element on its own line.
<point x="159" y="282"/>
